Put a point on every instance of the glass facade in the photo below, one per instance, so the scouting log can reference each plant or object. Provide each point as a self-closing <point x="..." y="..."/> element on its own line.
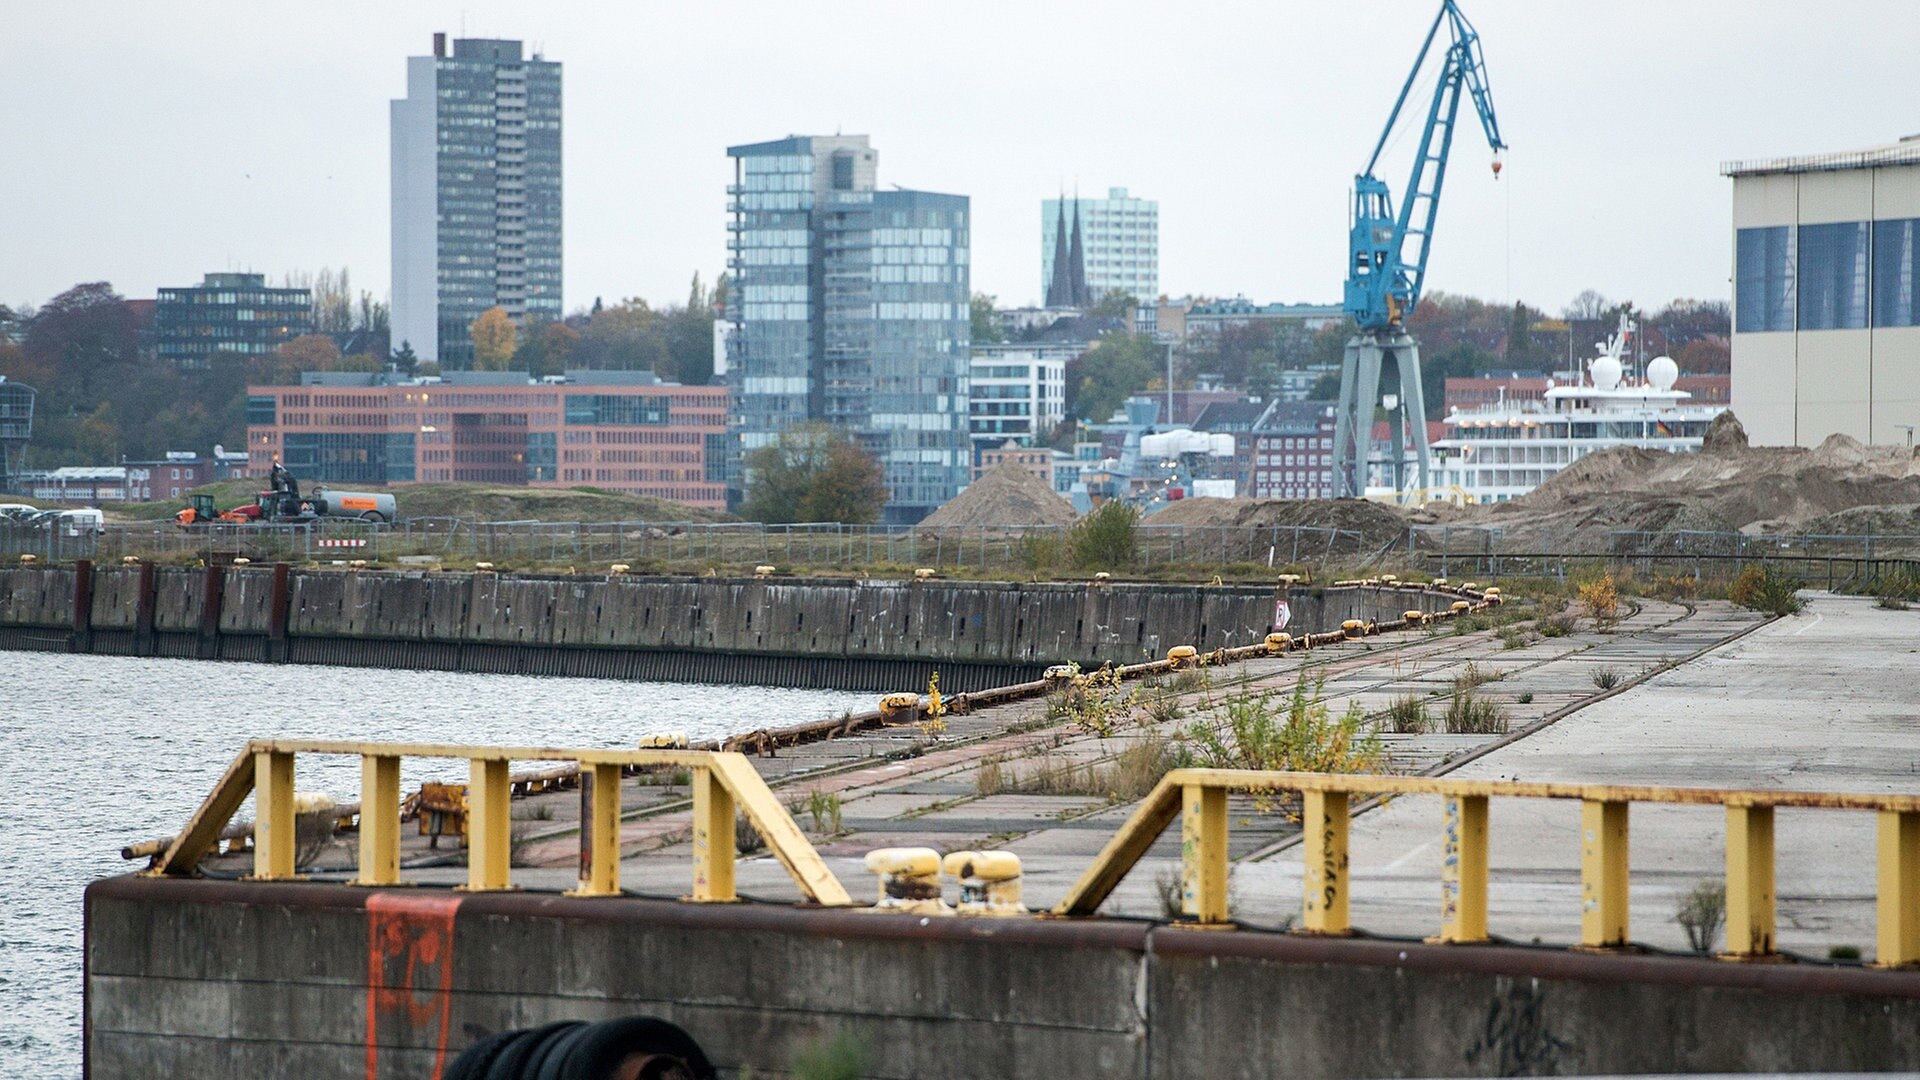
<point x="1831" y="276"/>
<point x="1763" y="279"/>
<point x="1896" y="266"/>
<point x="1846" y="275"/>
<point x="230" y="313"/>
<point x="852" y="308"/>
<point x="615" y="409"/>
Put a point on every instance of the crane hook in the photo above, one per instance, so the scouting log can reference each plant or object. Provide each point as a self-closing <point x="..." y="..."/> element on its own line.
<point x="1496" y="164"/>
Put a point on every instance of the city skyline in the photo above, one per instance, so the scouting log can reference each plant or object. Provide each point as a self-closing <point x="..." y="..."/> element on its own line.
<point x="1250" y="160"/>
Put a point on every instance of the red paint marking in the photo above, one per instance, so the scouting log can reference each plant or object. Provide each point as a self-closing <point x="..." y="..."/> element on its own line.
<point x="409" y="970"/>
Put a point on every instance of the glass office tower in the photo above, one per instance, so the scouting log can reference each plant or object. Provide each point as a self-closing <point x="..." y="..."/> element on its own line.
<point x="850" y="307"/>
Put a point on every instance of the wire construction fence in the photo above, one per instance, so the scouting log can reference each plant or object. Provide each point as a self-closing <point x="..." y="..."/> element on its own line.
<point x="676" y="543"/>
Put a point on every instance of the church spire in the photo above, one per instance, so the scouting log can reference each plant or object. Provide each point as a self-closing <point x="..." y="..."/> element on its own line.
<point x="1060" y="284"/>
<point x="1077" y="262"/>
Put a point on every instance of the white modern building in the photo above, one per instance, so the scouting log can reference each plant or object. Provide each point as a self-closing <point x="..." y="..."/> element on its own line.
<point x="1826" y="297"/>
<point x="476" y="194"/>
<point x="1015" y="393"/>
<point x="1120" y="243"/>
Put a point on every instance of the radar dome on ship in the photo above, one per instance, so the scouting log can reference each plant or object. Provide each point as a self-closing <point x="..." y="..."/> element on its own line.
<point x="1605" y="371"/>
<point x="1661" y="372"/>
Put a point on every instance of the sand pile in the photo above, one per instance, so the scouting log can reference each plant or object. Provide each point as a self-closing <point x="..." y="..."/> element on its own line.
<point x="1730" y="486"/>
<point x="1007" y="496"/>
<point x="1377" y="524"/>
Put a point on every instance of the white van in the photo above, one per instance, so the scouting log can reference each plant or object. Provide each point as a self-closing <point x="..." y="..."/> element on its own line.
<point x="81" y="522"/>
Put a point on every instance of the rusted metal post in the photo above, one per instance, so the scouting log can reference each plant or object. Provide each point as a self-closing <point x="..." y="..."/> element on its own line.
<point x="1463" y="871"/>
<point x="1899" y="900"/>
<point x="82" y="638"/>
<point x="1603" y="874"/>
<point x="273" y="823"/>
<point x="599" y="831"/>
<point x="1750" y="897"/>
<point x="213" y="588"/>
<point x="713" y="850"/>
<point x="379" y="820"/>
<point x="1203" y="853"/>
<point x="279" y="608"/>
<point x="1323" y="824"/>
<point x="489" y="826"/>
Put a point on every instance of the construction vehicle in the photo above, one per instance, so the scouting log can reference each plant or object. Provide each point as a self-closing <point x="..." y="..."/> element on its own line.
<point x="284" y="503"/>
<point x="1387" y="264"/>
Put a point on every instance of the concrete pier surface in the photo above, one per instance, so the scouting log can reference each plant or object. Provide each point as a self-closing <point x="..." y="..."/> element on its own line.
<point x="1819" y="701"/>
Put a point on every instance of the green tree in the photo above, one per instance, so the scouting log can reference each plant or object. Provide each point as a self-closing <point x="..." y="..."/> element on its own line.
<point x="1114" y="305"/>
<point x="689" y="336"/>
<point x="405" y="360"/>
<point x="986" y="321"/>
<point x="813" y="473"/>
<point x="627" y="336"/>
<point x="494" y="338"/>
<point x="1118" y="366"/>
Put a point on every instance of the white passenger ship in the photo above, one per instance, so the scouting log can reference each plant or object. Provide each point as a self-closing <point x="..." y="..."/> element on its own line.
<point x="1495" y="452"/>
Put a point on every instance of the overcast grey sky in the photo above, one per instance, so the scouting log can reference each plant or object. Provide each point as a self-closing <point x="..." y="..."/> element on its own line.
<point x="147" y="143"/>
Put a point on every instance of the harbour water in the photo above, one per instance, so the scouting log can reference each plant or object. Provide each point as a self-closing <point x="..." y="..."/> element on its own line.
<point x="101" y="751"/>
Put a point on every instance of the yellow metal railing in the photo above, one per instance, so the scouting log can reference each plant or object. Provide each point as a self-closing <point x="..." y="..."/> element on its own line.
<point x="1198" y="797"/>
<point x="723" y="782"/>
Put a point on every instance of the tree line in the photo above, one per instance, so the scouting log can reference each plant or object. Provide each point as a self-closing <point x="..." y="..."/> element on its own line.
<point x="102" y="394"/>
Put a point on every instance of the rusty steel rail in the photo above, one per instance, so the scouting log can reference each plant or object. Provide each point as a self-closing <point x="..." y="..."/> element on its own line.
<point x="721" y="780"/>
<point x="1198" y="797"/>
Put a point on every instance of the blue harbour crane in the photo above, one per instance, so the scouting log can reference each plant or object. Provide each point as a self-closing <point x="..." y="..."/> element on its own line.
<point x="1387" y="262"/>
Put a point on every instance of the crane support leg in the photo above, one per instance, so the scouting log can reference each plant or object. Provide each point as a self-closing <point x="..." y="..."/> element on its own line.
<point x="1360" y="371"/>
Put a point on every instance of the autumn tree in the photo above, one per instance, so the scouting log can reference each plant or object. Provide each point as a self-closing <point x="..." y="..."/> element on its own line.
<point x="494" y="338"/>
<point x="308" y="352"/>
<point x="813" y="472"/>
<point x="627" y="336"/>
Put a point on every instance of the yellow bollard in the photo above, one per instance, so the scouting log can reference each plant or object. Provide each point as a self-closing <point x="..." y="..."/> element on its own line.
<point x="925" y="573"/>
<point x="1279" y="643"/>
<point x="618" y="568"/>
<point x="1460" y="607"/>
<point x="1184" y="656"/>
<point x="1414" y="618"/>
<point x="894" y="704"/>
<point x="1603" y="874"/>
<point x="1353" y="628"/>
<point x="909" y="881"/>
<point x="763" y="571"/>
<point x="989" y="882"/>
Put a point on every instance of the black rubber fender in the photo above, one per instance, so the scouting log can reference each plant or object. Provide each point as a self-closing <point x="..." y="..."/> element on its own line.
<point x="513" y="1060"/>
<point x="475" y="1060"/>
<point x="605" y="1046"/>
<point x="549" y="1061"/>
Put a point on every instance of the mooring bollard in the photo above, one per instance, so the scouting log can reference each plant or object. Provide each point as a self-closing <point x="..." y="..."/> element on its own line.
<point x="909" y="881"/>
<point x="1279" y="643"/>
<point x="1414" y="618"/>
<point x="989" y="882"/>
<point x="1184" y="656"/>
<point x="1353" y="628"/>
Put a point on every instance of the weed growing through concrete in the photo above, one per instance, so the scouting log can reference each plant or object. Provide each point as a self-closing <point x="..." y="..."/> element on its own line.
<point x="1701" y="913"/>
<point x="1844" y="952"/>
<point x="1169" y="885"/>
<point x="1473" y="675"/>
<point x="1513" y="637"/>
<point x="824" y="808"/>
<point x="1766" y="589"/>
<point x="1407" y="715"/>
<point x="1098" y="704"/>
<point x="1526" y="698"/>
<point x="1604" y="678"/>
<point x="747" y="839"/>
<point x="1126" y="776"/>
<point x="1302" y="735"/>
<point x="1601" y="598"/>
<point x="1471" y="715"/>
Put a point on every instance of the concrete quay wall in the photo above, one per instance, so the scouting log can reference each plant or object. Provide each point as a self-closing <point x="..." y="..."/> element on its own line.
<point x="208" y="978"/>
<point x="883" y="635"/>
